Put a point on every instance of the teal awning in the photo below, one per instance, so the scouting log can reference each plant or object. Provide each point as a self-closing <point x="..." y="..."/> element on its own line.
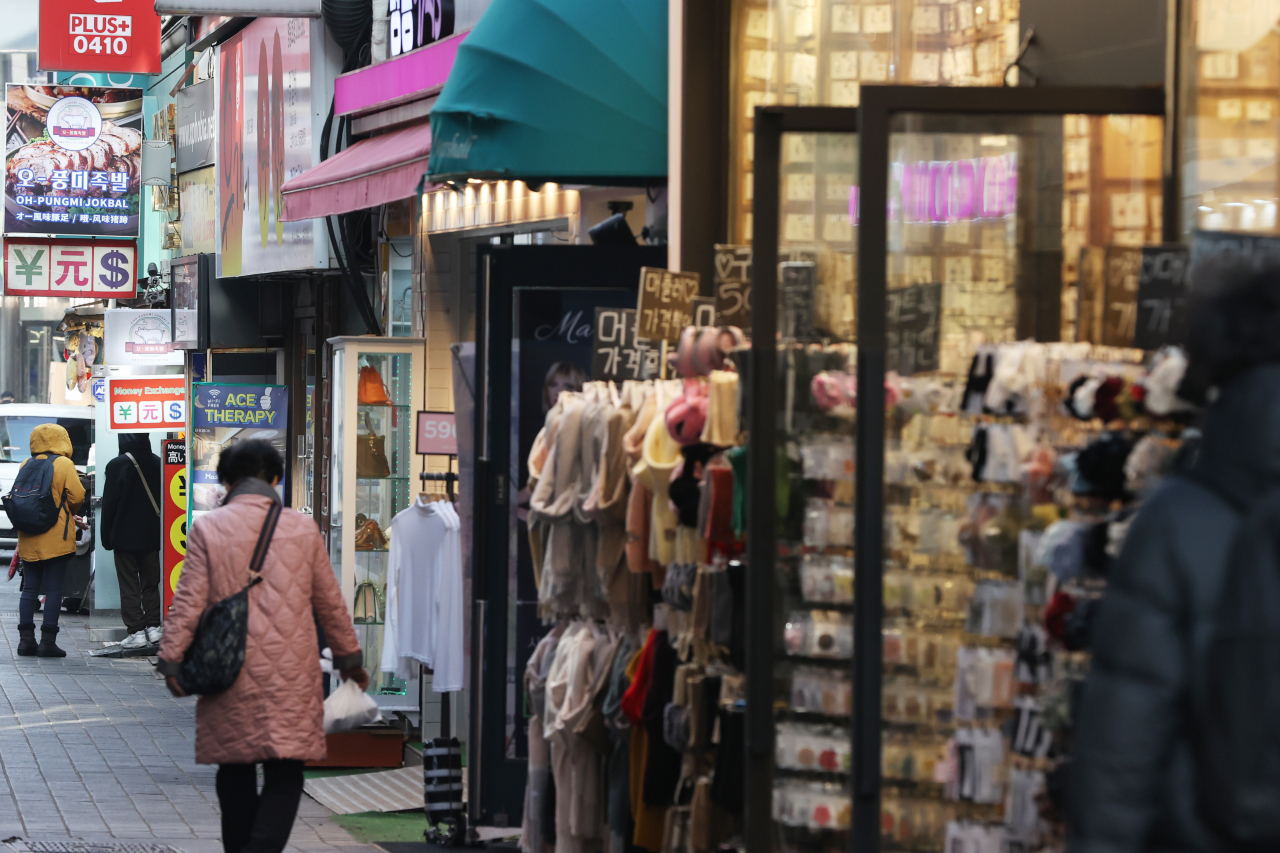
<point x="571" y="91"/>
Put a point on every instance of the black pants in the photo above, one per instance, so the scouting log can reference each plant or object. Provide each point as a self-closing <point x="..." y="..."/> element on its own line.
<point x="255" y="822"/>
<point x="139" y="576"/>
<point x="42" y="576"/>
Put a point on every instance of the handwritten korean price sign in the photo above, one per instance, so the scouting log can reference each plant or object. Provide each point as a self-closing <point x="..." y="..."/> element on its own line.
<point x="666" y="303"/>
<point x="733" y="285"/>
<point x="912" y="329"/>
<point x="615" y="353"/>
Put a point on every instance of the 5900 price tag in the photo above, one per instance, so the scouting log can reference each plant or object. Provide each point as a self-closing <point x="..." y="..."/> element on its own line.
<point x="437" y="434"/>
<point x="102" y="34"/>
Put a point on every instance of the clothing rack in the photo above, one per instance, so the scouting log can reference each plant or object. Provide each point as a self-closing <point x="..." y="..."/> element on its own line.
<point x="449" y="478"/>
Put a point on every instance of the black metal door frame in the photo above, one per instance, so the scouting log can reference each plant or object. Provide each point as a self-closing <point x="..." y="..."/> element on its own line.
<point x="496" y="783"/>
<point x="872" y="121"/>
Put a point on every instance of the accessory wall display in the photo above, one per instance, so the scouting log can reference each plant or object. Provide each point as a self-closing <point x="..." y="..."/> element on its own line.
<point x="377" y="385"/>
<point x="905" y="506"/>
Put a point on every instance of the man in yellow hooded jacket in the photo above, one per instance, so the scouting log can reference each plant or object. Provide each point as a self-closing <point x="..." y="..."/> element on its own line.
<point x="45" y="555"/>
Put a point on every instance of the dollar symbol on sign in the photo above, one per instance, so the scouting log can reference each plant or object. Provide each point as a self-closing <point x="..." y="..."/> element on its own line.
<point x="117" y="271"/>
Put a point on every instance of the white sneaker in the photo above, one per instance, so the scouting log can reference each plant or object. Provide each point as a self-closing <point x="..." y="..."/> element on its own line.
<point x="153" y="634"/>
<point x="135" y="641"/>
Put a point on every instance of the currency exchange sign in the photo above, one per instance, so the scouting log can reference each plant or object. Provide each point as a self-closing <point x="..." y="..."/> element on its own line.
<point x="97" y="269"/>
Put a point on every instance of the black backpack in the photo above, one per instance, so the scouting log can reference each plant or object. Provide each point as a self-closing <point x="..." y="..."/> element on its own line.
<point x="1235" y="697"/>
<point x="30" y="503"/>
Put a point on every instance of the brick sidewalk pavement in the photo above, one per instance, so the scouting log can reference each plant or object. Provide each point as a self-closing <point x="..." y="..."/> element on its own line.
<point x="96" y="749"/>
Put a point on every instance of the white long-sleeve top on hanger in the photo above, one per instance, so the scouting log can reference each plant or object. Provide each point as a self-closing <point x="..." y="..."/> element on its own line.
<point x="424" y="595"/>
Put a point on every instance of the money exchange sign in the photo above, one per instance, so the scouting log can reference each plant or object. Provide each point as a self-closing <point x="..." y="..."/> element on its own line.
<point x="155" y="402"/>
<point x="100" y="269"/>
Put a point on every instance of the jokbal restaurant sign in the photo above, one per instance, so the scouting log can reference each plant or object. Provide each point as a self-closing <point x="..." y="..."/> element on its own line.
<point x="264" y="139"/>
<point x="74" y="160"/>
<point x="99" y="35"/>
<point x="96" y="269"/>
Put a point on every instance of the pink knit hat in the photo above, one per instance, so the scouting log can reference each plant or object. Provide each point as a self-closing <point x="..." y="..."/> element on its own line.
<point x="687" y="414"/>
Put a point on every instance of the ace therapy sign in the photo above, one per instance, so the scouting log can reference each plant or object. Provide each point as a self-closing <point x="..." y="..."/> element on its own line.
<point x="100" y="35"/>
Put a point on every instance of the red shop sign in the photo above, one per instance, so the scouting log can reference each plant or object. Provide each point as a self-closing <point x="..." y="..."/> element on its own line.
<point x="89" y="35"/>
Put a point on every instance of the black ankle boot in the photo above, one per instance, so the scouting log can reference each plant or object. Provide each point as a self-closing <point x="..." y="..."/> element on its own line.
<point x="49" y="643"/>
<point x="27" y="639"/>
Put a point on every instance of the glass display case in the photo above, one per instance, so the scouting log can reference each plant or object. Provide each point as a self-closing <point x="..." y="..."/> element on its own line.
<point x="377" y="387"/>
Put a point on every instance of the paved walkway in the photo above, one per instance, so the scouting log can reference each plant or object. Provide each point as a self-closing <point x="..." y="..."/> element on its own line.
<point x="96" y="749"/>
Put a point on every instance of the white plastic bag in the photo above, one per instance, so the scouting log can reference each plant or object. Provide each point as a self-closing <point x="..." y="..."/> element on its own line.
<point x="348" y="708"/>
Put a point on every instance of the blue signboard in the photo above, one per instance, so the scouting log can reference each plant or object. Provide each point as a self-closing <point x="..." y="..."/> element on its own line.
<point x="86" y="78"/>
<point x="223" y="414"/>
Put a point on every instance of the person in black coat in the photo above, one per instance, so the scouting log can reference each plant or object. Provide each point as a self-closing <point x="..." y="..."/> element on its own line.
<point x="131" y="528"/>
<point x="1133" y="783"/>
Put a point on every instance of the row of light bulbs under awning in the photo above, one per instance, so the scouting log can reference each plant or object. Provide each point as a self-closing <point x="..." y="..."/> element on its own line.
<point x="477" y="204"/>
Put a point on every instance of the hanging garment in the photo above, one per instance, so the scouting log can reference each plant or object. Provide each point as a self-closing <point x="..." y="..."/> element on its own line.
<point x="648" y="819"/>
<point x="424" y="595"/>
<point x="662" y="763"/>
<point x="538" y="455"/>
<point x="639" y="503"/>
<point x="721" y="428"/>
<point x="645" y="403"/>
<point x="594" y="427"/>
<point x="608" y="506"/>
<point x="551" y="506"/>
<point x="659" y="456"/>
<point x="575" y="764"/>
<point x="538" y="789"/>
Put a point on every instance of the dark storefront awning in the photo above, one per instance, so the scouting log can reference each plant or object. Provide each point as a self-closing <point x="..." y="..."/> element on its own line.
<point x="571" y="91"/>
<point x="370" y="173"/>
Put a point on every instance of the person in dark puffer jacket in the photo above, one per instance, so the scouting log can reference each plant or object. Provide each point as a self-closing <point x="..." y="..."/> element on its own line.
<point x="131" y="528"/>
<point x="1133" y="779"/>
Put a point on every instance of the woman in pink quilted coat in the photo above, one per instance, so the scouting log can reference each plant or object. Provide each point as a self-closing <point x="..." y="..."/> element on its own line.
<point x="273" y="714"/>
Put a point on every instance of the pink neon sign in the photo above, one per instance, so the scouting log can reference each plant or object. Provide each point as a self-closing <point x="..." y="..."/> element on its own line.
<point x="950" y="190"/>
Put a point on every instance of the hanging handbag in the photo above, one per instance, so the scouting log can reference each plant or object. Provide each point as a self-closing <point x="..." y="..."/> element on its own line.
<point x="372" y="390"/>
<point x="213" y="661"/>
<point x="371" y="454"/>
<point x="367" y="607"/>
<point x="369" y="536"/>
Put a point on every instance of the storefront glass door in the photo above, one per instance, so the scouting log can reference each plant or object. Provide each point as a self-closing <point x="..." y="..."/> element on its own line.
<point x="1010" y="295"/>
<point x="801" y="578"/>
<point x="917" y="429"/>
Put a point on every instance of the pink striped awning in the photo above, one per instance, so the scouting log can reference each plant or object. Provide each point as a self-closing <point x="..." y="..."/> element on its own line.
<point x="372" y="172"/>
